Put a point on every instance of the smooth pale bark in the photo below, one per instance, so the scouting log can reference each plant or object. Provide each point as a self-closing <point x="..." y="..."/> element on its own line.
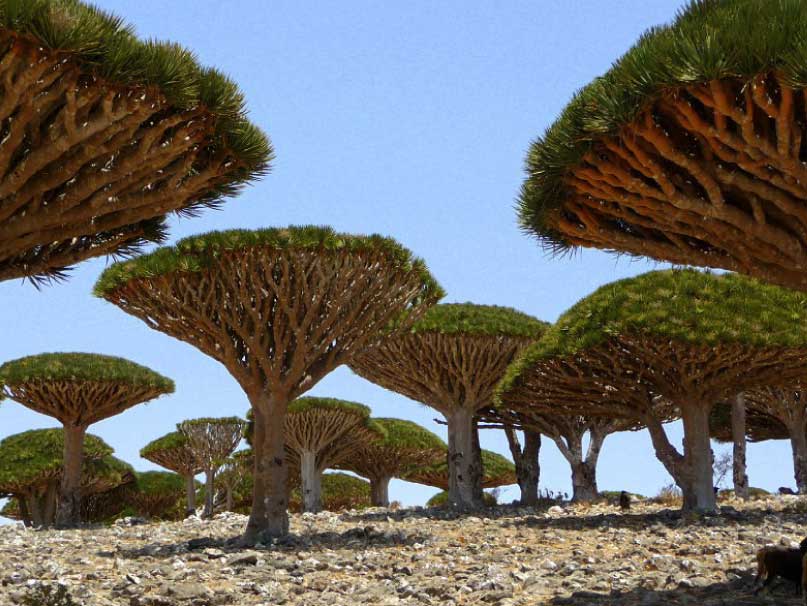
<point x="738" y="423"/>
<point x="584" y="482"/>
<point x="477" y="469"/>
<point x="461" y="460"/>
<point x="311" y="482"/>
<point x="584" y="470"/>
<point x="68" y="513"/>
<point x="798" y="443"/>
<point x="275" y="469"/>
<point x="210" y="480"/>
<point x="379" y="491"/>
<point x="190" y="496"/>
<point x="526" y="459"/>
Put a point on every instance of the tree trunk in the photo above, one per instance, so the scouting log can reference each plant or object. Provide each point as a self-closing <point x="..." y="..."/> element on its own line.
<point x="25" y="515"/>
<point x="68" y="514"/>
<point x="584" y="482"/>
<point x="210" y="479"/>
<point x="461" y="460"/>
<point x="257" y="515"/>
<point x="311" y="482"/>
<point x="379" y="488"/>
<point x="478" y="468"/>
<point x="51" y="500"/>
<point x="528" y="468"/>
<point x="228" y="503"/>
<point x="738" y="435"/>
<point x="190" y="496"/>
<point x="35" y="507"/>
<point x="698" y="478"/>
<point x="798" y="442"/>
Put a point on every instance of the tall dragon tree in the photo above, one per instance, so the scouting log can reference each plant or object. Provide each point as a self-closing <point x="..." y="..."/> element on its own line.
<point x="690" y="149"/>
<point x="772" y="413"/>
<point x="451" y="360"/>
<point x="321" y="432"/>
<point x="174" y="452"/>
<point x="105" y="135"/>
<point x="406" y="446"/>
<point x="212" y="440"/>
<point x="665" y="344"/>
<point x="280" y="309"/>
<point x="78" y="389"/>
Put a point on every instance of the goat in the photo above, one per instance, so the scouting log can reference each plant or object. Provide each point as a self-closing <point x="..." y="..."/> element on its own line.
<point x="782" y="562"/>
<point x="624" y="501"/>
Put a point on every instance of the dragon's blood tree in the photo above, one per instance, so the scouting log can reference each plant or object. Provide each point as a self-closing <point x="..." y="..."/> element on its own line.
<point x="321" y="432"/>
<point x="339" y="491"/>
<point x="452" y="360"/>
<point x="772" y="413"/>
<point x="663" y="344"/>
<point x="157" y="494"/>
<point x="78" y="390"/>
<point x="212" y="441"/>
<point x="280" y="309"/>
<point x="497" y="471"/>
<point x="32" y="465"/>
<point x="691" y="149"/>
<point x="105" y="135"/>
<point x="405" y="446"/>
<point x="234" y="477"/>
<point x="173" y="451"/>
<point x="568" y="433"/>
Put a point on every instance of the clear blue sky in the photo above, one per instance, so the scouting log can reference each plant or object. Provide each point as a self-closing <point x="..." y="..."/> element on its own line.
<point x="409" y="119"/>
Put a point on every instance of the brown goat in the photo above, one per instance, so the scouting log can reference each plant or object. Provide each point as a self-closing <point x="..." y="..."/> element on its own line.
<point x="773" y="562"/>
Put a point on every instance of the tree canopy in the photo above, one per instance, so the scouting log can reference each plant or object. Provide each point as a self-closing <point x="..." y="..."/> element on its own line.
<point x="472" y="319"/>
<point x="497" y="470"/>
<point x="195" y="253"/>
<point x="403" y="434"/>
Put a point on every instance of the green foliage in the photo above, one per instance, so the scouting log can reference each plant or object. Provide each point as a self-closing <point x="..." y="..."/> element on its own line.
<point x="497" y="469"/>
<point x="339" y="491"/>
<point x="195" y="253"/>
<point x="160" y="483"/>
<point x="205" y="421"/>
<point x="104" y="45"/>
<point x="486" y="320"/>
<point x="441" y="500"/>
<point x="709" y="40"/>
<point x="30" y="457"/>
<point x="753" y="493"/>
<point x="684" y="305"/>
<point x="81" y="367"/>
<point x="169" y="441"/>
<point x="400" y="433"/>
<point x="309" y="403"/>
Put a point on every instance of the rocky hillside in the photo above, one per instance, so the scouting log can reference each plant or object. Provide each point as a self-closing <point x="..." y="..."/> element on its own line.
<point x="593" y="556"/>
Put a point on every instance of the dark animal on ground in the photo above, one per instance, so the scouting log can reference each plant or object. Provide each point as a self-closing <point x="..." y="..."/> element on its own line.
<point x="773" y="562"/>
<point x="786" y="490"/>
<point x="624" y="501"/>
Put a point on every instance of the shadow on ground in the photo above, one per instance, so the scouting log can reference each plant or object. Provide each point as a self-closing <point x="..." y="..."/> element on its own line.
<point x="734" y="593"/>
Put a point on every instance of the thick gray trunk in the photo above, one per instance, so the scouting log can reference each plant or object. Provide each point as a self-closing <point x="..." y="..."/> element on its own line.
<point x="51" y="500"/>
<point x="228" y="503"/>
<point x="584" y="482"/>
<point x="68" y="513"/>
<point x="477" y="469"/>
<point x="35" y="506"/>
<point x="190" y="496"/>
<point x="528" y="468"/>
<point x="210" y="480"/>
<point x="798" y="442"/>
<point x="697" y="481"/>
<point x="462" y="462"/>
<point x="257" y="515"/>
<point x="738" y="436"/>
<point x="379" y="488"/>
<point x="311" y="482"/>
<point x="25" y="515"/>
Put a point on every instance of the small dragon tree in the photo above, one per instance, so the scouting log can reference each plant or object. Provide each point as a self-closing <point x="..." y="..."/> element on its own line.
<point x="405" y="446"/>
<point x="78" y="390"/>
<point x="339" y="491"/>
<point x="173" y="451"/>
<point x="321" y="432"/>
<point x="32" y="466"/>
<point x="567" y="432"/>
<point x="772" y="413"/>
<point x="212" y="441"/>
<point x="667" y="340"/>
<point x="690" y="149"/>
<point x="497" y="471"/>
<point x="157" y="494"/>
<point x="104" y="135"/>
<point x="452" y="360"/>
<point x="235" y="477"/>
<point x="280" y="309"/>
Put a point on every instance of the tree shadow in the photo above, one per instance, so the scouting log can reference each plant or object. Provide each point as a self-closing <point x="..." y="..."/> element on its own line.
<point x="735" y="593"/>
<point x="353" y="539"/>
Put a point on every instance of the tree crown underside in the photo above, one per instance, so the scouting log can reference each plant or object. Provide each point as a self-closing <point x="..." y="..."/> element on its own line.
<point x="685" y="306"/>
<point x="760" y="426"/>
<point x="196" y="253"/>
<point x="81" y="367"/>
<point x="497" y="471"/>
<point x="107" y="47"/>
<point x="479" y="320"/>
<point x="30" y="456"/>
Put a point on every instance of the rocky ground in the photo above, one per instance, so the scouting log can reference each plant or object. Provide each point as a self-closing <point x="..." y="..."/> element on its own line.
<point x="508" y="557"/>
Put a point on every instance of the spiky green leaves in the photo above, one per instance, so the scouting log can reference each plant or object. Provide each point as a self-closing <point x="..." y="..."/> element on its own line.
<point x="310" y="403"/>
<point x="158" y="483"/>
<point x="78" y="367"/>
<point x="402" y="434"/>
<point x="487" y="320"/>
<point x="169" y="441"/>
<point x="709" y="40"/>
<point x="198" y="252"/>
